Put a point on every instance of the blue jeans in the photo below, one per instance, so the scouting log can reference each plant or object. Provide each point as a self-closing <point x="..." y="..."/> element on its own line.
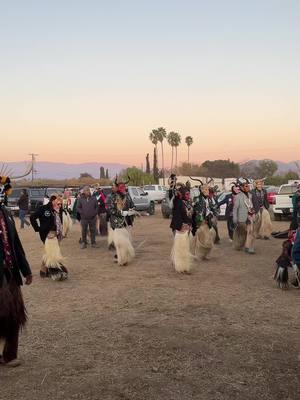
<point x="22" y="216"/>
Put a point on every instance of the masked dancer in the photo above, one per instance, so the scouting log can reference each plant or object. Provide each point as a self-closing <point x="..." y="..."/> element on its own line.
<point x="263" y="224"/>
<point x="244" y="218"/>
<point x="13" y="265"/>
<point x="202" y="229"/>
<point x="121" y="213"/>
<point x="181" y="226"/>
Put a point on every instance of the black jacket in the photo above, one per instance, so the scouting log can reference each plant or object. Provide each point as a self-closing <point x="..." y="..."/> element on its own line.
<point x="20" y="263"/>
<point x="179" y="215"/>
<point x="46" y="217"/>
<point x="260" y="199"/>
<point x="228" y="200"/>
<point x="23" y="202"/>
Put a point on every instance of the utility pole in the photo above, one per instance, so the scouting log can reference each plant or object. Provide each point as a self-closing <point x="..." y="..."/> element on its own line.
<point x="33" y="160"/>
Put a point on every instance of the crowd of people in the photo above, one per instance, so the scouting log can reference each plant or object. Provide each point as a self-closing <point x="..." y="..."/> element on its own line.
<point x="194" y="226"/>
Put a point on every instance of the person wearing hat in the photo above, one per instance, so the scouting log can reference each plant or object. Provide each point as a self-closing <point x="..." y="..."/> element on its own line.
<point x="263" y="224"/>
<point x="181" y="225"/>
<point x="243" y="218"/>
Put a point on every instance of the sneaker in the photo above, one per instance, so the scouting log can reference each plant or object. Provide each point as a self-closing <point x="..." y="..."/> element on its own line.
<point x="246" y="250"/>
<point x="251" y="251"/>
<point x="83" y="246"/>
<point x="95" y="245"/>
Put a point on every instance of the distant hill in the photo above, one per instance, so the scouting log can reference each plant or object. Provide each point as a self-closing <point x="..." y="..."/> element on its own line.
<point x="52" y="170"/>
<point x="283" y="167"/>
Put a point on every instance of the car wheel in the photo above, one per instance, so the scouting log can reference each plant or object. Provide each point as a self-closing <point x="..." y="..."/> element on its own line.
<point x="151" y="210"/>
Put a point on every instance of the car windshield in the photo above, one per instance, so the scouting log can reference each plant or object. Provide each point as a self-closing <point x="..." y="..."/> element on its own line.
<point x="140" y="191"/>
<point x="272" y="189"/>
<point x="51" y="191"/>
<point x="149" y="187"/>
<point x="37" y="192"/>
<point x="289" y="189"/>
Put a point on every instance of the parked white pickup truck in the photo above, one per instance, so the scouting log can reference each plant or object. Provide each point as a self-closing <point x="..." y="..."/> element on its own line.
<point x="155" y="192"/>
<point x="283" y="201"/>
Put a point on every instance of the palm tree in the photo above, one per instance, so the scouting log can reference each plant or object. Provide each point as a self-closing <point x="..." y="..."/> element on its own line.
<point x="177" y="141"/>
<point x="153" y="138"/>
<point x="158" y="135"/>
<point x="189" y="142"/>
<point x="171" y="140"/>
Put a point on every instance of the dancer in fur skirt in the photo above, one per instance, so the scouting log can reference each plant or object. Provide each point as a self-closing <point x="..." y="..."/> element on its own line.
<point x="203" y="230"/>
<point x="181" y="225"/>
<point x="13" y="265"/>
<point x="263" y="224"/>
<point x="50" y="228"/>
<point x="121" y="215"/>
<point x="244" y="218"/>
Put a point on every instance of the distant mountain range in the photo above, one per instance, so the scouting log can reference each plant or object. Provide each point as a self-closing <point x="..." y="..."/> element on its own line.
<point x="52" y="170"/>
<point x="283" y="167"/>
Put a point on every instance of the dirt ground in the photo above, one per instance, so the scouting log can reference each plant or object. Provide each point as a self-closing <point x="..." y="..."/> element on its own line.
<point x="146" y="332"/>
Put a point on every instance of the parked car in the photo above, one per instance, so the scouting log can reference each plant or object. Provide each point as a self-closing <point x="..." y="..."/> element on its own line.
<point x="12" y="201"/>
<point x="283" y="205"/>
<point x="166" y="206"/>
<point x="35" y="195"/>
<point x="155" y="192"/>
<point x="49" y="191"/>
<point x="141" y="200"/>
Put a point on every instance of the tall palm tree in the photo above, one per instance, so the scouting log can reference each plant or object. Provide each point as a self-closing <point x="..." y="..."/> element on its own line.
<point x="160" y="134"/>
<point x="189" y="142"/>
<point x="171" y="140"/>
<point x="177" y="141"/>
<point x="153" y="138"/>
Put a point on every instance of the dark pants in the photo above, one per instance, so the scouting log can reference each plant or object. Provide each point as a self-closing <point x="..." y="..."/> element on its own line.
<point x="230" y="227"/>
<point x="103" y="224"/>
<point x="22" y="216"/>
<point x="91" y="225"/>
<point x="215" y="227"/>
<point x="10" y="351"/>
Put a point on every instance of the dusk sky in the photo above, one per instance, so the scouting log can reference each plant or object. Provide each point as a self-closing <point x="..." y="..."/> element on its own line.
<point x="88" y="80"/>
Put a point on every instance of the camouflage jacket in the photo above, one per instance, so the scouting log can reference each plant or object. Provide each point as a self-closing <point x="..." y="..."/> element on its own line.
<point x="116" y="204"/>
